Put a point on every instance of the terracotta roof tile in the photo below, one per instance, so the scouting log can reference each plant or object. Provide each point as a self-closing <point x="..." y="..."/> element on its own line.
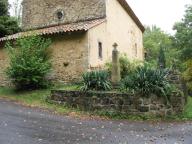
<point x="79" y="26"/>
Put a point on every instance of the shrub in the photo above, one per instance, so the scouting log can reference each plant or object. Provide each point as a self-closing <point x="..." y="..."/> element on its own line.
<point x="29" y="62"/>
<point x="187" y="74"/>
<point x="146" y="81"/>
<point x="96" y="80"/>
<point x="126" y="66"/>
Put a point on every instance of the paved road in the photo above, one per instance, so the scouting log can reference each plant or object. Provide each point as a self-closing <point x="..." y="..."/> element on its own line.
<point x="21" y="125"/>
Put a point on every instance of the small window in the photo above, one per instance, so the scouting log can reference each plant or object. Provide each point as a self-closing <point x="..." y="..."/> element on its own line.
<point x="100" y="47"/>
<point x="145" y="55"/>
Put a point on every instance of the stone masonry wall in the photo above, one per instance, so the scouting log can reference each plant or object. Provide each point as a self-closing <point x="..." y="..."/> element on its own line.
<point x="39" y="13"/>
<point x="112" y="101"/>
<point x="4" y="61"/>
<point x="179" y="98"/>
<point x="69" y="56"/>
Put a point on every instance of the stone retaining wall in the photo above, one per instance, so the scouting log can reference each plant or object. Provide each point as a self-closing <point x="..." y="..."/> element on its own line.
<point x="114" y="101"/>
<point x="4" y="62"/>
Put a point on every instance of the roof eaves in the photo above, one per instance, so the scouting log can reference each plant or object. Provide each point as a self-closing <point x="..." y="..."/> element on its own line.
<point x="80" y="26"/>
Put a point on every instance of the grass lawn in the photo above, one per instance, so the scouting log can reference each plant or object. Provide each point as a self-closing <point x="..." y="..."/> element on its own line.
<point x="38" y="99"/>
<point x="188" y="109"/>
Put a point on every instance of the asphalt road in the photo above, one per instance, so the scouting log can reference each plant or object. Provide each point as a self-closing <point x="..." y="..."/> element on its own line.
<point x="21" y="125"/>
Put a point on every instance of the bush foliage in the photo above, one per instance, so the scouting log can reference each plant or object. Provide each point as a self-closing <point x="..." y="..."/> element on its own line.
<point x="187" y="74"/>
<point x="29" y="62"/>
<point x="126" y="66"/>
<point x="96" y="80"/>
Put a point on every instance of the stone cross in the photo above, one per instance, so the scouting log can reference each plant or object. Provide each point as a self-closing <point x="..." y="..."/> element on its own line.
<point x="116" y="76"/>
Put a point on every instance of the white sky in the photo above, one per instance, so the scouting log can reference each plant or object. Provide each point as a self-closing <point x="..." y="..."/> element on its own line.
<point x="163" y="13"/>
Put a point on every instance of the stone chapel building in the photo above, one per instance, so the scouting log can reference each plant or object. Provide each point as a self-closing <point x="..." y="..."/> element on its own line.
<point x="82" y="31"/>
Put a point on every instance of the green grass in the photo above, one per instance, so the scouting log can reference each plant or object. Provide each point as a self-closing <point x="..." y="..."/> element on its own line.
<point x="30" y="97"/>
<point x="38" y="98"/>
<point x="188" y="109"/>
<point x="68" y="87"/>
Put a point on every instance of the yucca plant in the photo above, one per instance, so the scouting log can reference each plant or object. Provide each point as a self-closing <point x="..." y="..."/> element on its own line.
<point x="96" y="80"/>
<point x="146" y="81"/>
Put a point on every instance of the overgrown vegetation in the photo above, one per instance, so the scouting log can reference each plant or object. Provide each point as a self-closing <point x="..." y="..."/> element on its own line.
<point x="96" y="80"/>
<point x="29" y="62"/>
<point x="177" y="48"/>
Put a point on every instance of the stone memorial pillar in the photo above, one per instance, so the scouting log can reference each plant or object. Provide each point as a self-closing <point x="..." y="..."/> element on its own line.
<point x="116" y="76"/>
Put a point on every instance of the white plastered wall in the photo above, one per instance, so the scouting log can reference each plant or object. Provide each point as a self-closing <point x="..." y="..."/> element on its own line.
<point x="119" y="28"/>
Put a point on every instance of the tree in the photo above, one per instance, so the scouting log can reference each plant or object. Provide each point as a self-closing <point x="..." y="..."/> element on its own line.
<point x="154" y="39"/>
<point x="183" y="36"/>
<point x="183" y="41"/>
<point x="29" y="62"/>
<point x="161" y="59"/>
<point x="17" y="9"/>
<point x="8" y="25"/>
